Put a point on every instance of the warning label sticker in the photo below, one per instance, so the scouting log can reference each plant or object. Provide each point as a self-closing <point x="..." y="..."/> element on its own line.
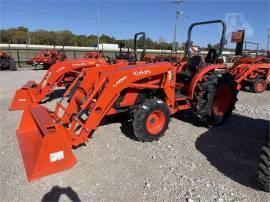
<point x="56" y="156"/>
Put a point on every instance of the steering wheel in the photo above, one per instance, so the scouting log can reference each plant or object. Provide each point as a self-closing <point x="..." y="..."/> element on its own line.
<point x="132" y="60"/>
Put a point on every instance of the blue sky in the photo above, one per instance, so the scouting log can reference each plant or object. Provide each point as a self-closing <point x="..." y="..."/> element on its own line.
<point x="122" y="19"/>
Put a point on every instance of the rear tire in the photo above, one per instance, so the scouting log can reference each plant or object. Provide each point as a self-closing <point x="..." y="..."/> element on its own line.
<point x="263" y="172"/>
<point x="151" y="120"/>
<point x="46" y="66"/>
<point x="214" y="98"/>
<point x="258" y="85"/>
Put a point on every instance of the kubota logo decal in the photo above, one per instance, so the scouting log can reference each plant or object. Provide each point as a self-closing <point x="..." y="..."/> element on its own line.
<point x="120" y="81"/>
<point x="142" y="72"/>
<point x="79" y="64"/>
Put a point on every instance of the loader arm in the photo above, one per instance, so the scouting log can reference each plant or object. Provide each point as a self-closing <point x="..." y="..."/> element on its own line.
<point x="59" y="74"/>
<point x="60" y="71"/>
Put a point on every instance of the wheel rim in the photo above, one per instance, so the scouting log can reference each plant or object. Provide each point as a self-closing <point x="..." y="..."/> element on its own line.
<point x="155" y="122"/>
<point x="222" y="100"/>
<point x="260" y="86"/>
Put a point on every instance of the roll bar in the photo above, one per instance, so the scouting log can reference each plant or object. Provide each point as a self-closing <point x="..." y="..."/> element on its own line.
<point x="222" y="40"/>
<point x="135" y="44"/>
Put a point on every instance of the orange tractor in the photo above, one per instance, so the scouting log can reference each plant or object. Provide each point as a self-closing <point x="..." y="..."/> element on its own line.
<point x="162" y="58"/>
<point x="62" y="74"/>
<point x="47" y="58"/>
<point x="93" y="55"/>
<point x="253" y="73"/>
<point x="146" y="93"/>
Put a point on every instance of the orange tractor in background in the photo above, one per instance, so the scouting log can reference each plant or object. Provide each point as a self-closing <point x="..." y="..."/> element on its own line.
<point x="147" y="94"/>
<point x="252" y="73"/>
<point x="93" y="55"/>
<point x="162" y="58"/>
<point x="47" y="58"/>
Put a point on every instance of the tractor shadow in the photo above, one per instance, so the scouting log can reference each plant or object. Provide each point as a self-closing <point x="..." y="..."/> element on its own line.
<point x="127" y="130"/>
<point x="234" y="148"/>
<point x="126" y="126"/>
<point x="189" y="117"/>
<point x="55" y="193"/>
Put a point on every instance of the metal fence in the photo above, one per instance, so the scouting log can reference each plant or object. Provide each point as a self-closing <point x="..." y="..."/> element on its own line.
<point x="23" y="52"/>
<point x="21" y="56"/>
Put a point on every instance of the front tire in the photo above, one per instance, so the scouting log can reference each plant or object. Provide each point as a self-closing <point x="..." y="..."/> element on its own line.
<point x="151" y="120"/>
<point x="214" y="98"/>
<point x="258" y="85"/>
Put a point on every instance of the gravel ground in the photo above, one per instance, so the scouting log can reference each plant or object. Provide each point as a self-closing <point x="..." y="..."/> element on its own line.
<point x="190" y="163"/>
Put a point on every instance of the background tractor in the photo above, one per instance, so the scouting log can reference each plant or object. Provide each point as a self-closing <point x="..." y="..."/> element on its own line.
<point x="7" y="62"/>
<point x="94" y="55"/>
<point x="252" y="73"/>
<point x="47" y="58"/>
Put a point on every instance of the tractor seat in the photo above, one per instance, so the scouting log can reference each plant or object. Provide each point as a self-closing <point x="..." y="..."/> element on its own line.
<point x="192" y="66"/>
<point x="211" y="56"/>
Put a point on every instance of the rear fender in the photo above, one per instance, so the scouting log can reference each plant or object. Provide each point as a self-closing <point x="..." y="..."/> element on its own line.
<point x="199" y="76"/>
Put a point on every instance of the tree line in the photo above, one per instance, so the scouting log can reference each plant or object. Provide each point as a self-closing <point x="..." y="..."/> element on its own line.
<point x="21" y="35"/>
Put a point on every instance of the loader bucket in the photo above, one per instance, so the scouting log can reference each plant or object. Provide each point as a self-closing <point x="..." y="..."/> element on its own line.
<point x="24" y="96"/>
<point x="45" y="147"/>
